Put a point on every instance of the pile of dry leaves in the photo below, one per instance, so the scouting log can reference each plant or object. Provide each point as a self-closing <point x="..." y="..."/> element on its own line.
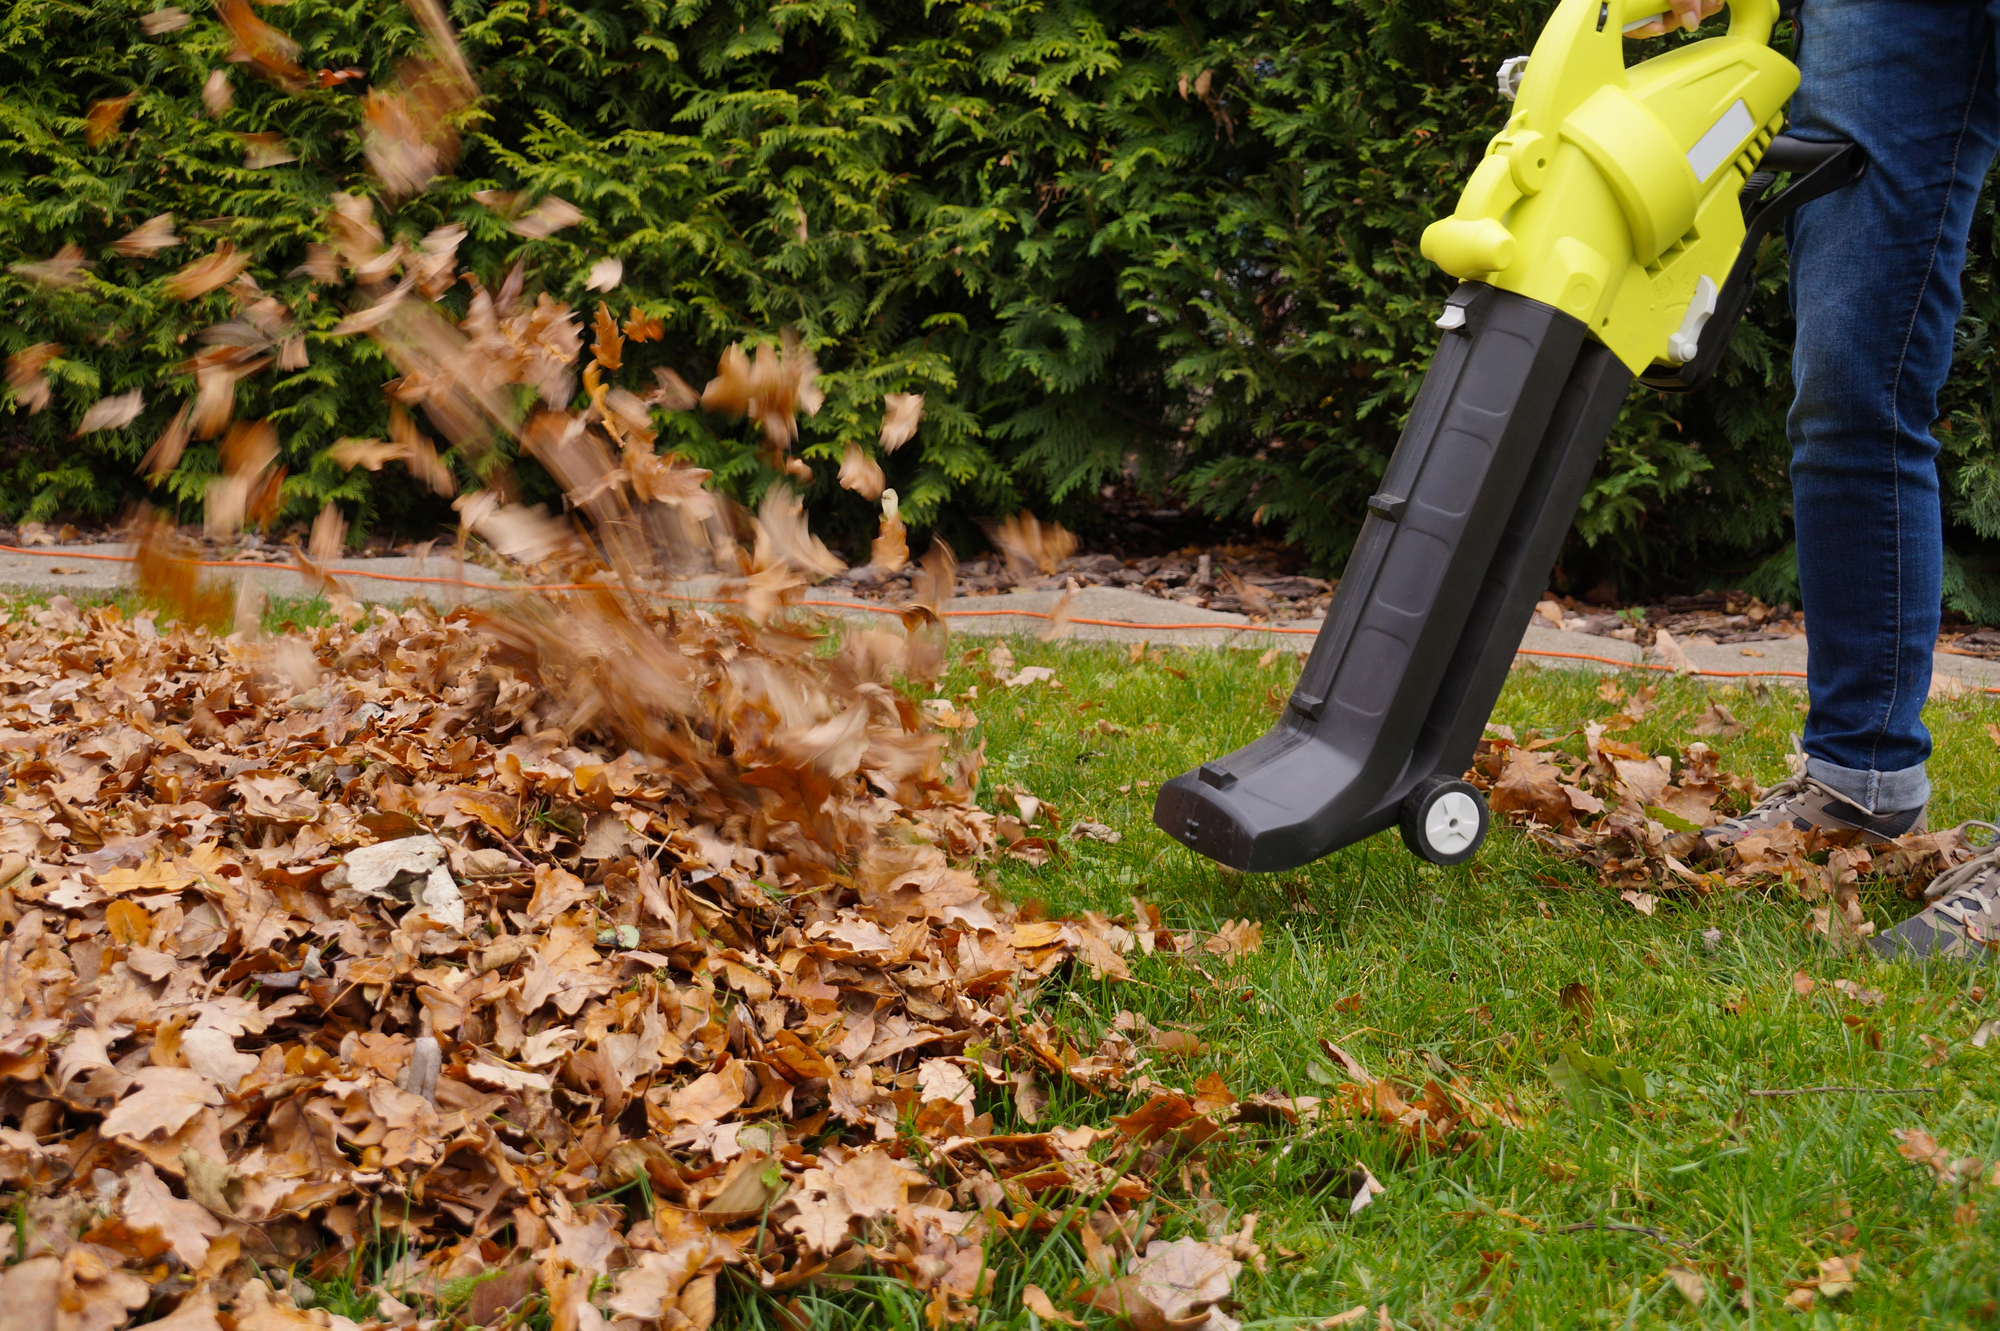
<point x="582" y="954"/>
<point x="390" y="938"/>
<point x="1636" y="817"/>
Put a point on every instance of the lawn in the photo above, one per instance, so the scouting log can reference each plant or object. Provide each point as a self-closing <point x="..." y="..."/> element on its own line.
<point x="1573" y="1217"/>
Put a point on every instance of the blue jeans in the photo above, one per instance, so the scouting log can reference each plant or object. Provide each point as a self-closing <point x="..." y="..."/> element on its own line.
<point x="1874" y="285"/>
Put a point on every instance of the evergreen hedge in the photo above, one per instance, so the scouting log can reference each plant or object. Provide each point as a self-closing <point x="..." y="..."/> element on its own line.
<point x="1177" y="239"/>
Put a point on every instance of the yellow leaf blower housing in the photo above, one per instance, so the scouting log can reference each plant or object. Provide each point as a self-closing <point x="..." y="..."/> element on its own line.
<point x="1612" y="192"/>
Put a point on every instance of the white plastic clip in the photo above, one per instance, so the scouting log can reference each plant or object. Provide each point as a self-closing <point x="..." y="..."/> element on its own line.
<point x="1452" y="318"/>
<point x="1684" y="343"/>
<point x="1512" y="69"/>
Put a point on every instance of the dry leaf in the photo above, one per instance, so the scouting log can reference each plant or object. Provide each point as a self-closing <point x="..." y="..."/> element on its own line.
<point x="1532" y="785"/>
<point x="409" y="123"/>
<point x="1669" y="654"/>
<point x="103" y="118"/>
<point x="890" y="550"/>
<point x="264" y="149"/>
<point x="65" y="269"/>
<point x="27" y="377"/>
<point x="900" y="414"/>
<point x="271" y="52"/>
<point x="860" y="473"/>
<point x="216" y="93"/>
<point x="1368" y="1189"/>
<point x="1919" y="1147"/>
<point x="1717" y="720"/>
<point x="1692" y="1284"/>
<point x="1030" y="546"/>
<point x="149" y="237"/>
<point x="1238" y="938"/>
<point x="642" y="327"/>
<point x="329" y="534"/>
<point x="1859" y="993"/>
<point x="782" y="537"/>
<point x="112" y="413"/>
<point x="546" y="218"/>
<point x="161" y="21"/>
<point x="1837" y="1275"/>
<point x="205" y="275"/>
<point x="93" y="1294"/>
<point x="1060" y="612"/>
<point x="1348" y="1063"/>
<point x="197" y="1312"/>
<point x="1038" y="1303"/>
<point x="608" y="350"/>
<point x="771" y="389"/>
<point x="162" y="1100"/>
<point x="183" y="1227"/>
<point x="1183" y="1277"/>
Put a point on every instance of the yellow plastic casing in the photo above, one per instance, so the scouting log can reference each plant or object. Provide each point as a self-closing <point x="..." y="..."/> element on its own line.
<point x="1612" y="192"/>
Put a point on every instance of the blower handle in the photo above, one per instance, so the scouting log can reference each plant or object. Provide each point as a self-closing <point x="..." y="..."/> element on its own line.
<point x="1818" y="168"/>
<point x="1751" y="20"/>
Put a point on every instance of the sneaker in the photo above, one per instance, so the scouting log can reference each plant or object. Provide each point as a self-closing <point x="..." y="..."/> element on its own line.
<point x="1962" y="921"/>
<point x="1803" y="803"/>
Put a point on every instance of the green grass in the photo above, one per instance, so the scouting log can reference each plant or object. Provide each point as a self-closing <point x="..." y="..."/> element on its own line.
<point x="1571" y="1219"/>
<point x="1462" y="970"/>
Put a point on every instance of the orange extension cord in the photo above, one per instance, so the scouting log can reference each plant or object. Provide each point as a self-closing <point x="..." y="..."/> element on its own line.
<point x="892" y="610"/>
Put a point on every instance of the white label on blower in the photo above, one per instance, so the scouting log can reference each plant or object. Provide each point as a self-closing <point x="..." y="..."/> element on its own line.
<point x="1724" y="137"/>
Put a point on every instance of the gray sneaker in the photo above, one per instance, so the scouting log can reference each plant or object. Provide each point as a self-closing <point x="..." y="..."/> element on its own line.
<point x="1803" y="803"/>
<point x="1962" y="922"/>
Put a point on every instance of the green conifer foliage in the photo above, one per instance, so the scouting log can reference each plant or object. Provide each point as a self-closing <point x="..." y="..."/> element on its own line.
<point x="1175" y="241"/>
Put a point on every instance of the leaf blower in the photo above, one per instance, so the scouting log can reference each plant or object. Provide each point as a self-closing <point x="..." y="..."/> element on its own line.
<point x="1609" y="233"/>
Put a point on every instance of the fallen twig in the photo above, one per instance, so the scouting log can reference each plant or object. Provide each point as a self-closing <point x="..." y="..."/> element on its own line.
<point x="1647" y="1230"/>
<point x="514" y="850"/>
<point x="1850" y="1090"/>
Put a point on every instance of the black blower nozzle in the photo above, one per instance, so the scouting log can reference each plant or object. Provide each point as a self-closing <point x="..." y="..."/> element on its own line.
<point x="1422" y="629"/>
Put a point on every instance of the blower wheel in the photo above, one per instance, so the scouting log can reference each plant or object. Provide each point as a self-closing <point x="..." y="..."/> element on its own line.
<point x="1445" y="820"/>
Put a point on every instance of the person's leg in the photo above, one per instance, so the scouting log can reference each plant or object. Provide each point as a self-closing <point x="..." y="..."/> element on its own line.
<point x="1875" y="290"/>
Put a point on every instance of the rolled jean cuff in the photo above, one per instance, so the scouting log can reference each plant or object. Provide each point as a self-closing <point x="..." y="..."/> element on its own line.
<point x="1876" y="792"/>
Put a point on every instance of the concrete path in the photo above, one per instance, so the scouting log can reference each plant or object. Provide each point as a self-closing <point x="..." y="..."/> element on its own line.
<point x="1025" y="613"/>
<point x="69" y="569"/>
<point x="1787" y="656"/>
<point x="99" y="569"/>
